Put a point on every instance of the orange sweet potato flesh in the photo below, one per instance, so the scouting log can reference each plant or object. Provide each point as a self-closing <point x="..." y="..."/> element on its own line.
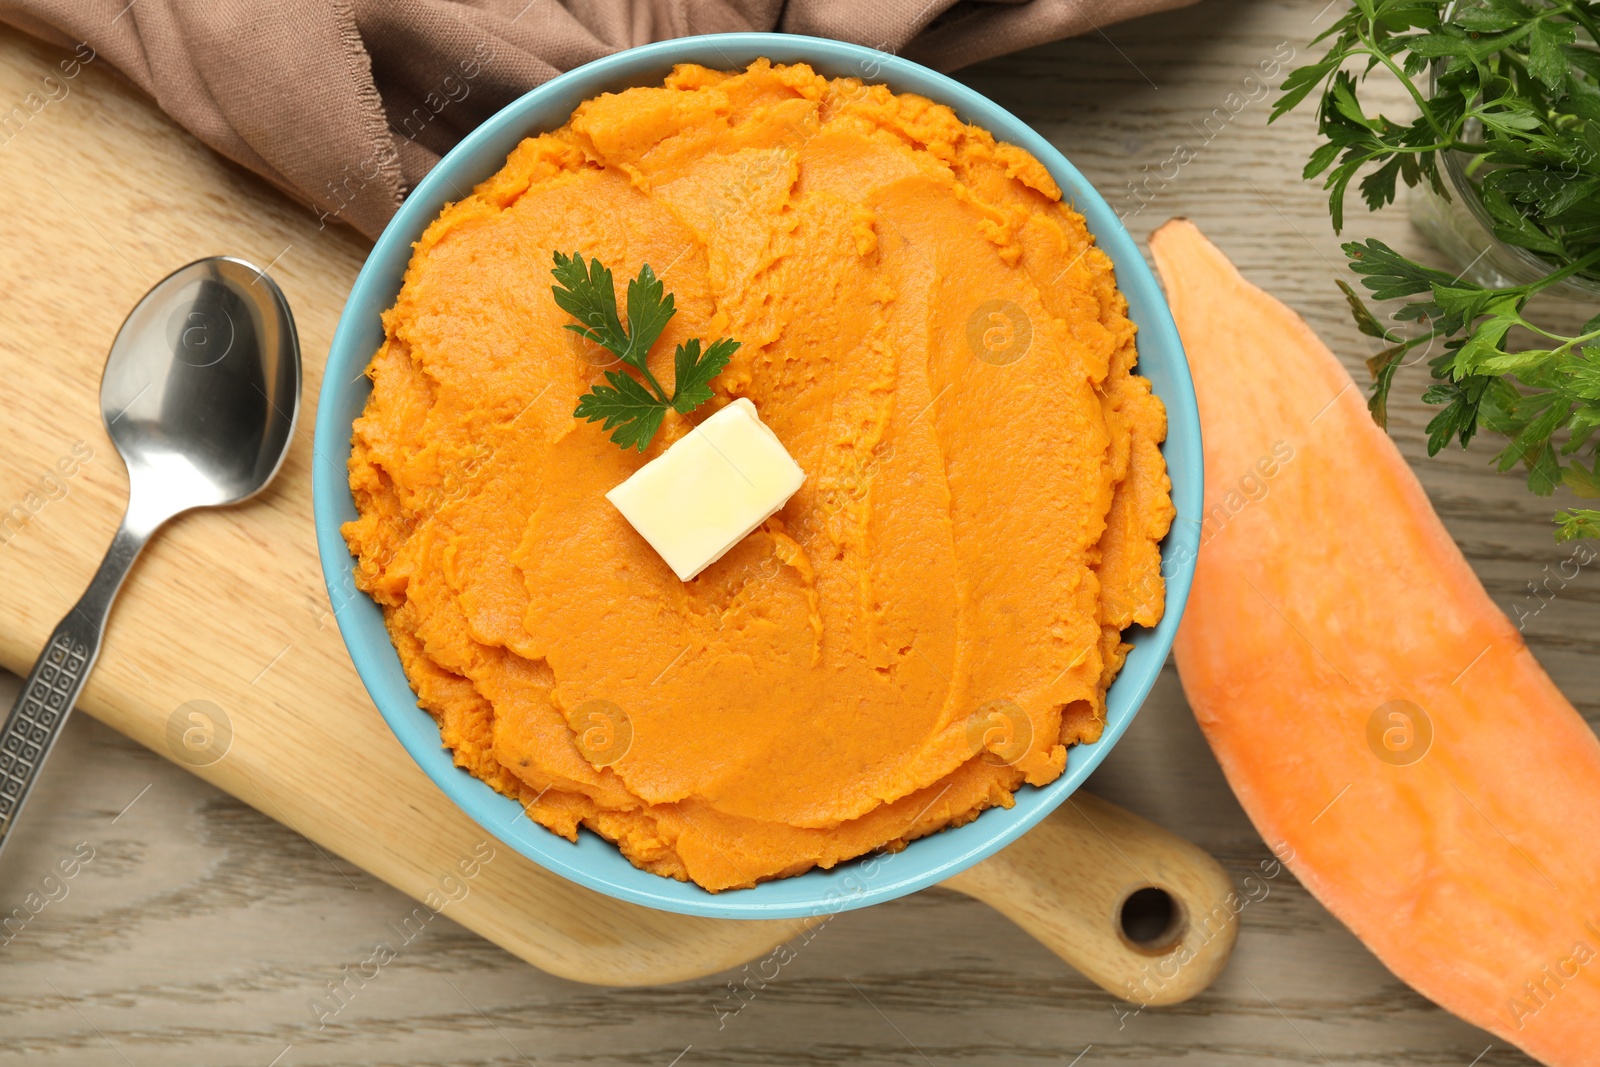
<point x="1470" y="871"/>
<point x="970" y="530"/>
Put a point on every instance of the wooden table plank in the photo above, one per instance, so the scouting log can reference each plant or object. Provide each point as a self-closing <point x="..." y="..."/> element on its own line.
<point x="201" y="928"/>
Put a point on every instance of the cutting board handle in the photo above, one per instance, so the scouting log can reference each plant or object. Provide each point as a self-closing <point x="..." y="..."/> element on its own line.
<point x="1143" y="913"/>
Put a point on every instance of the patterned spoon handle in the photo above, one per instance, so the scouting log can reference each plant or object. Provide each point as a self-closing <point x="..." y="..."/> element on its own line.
<point x="53" y="685"/>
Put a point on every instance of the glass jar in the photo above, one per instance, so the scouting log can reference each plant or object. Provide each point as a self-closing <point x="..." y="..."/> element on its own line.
<point x="1461" y="228"/>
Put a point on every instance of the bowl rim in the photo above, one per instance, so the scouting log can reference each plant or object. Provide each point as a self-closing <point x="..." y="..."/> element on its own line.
<point x="593" y="862"/>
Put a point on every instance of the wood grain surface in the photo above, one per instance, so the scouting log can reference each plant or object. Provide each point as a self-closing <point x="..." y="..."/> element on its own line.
<point x="201" y="931"/>
<point x="224" y="627"/>
<point x="225" y="622"/>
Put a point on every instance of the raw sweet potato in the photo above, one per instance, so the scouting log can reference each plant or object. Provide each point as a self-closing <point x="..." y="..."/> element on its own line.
<point x="1378" y="716"/>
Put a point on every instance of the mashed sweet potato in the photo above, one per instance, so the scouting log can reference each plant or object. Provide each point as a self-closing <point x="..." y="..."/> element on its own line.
<point x="935" y="616"/>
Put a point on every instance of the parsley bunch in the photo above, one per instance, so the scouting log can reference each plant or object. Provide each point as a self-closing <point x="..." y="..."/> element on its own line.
<point x="633" y="409"/>
<point x="1516" y="91"/>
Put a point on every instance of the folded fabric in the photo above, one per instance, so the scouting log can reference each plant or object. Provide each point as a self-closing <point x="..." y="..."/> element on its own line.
<point x="346" y="104"/>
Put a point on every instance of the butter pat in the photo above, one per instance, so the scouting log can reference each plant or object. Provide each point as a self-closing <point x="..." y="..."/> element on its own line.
<point x="708" y="491"/>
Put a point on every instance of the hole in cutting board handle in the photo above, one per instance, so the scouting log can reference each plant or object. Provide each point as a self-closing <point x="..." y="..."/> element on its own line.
<point x="1151" y="920"/>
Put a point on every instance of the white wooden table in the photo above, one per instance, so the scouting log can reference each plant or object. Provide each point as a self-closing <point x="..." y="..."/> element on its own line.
<point x="200" y="928"/>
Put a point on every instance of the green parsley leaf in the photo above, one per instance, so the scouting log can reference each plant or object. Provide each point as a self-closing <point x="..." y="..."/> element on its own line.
<point x="1586" y="483"/>
<point x="1546" y="60"/>
<point x="626" y="405"/>
<point x="692" y="372"/>
<point x="1511" y="90"/>
<point x="1577" y="523"/>
<point x="1583" y="368"/>
<point x="1366" y="322"/>
<point x="631" y="408"/>
<point x="589" y="297"/>
<point x="1482" y="347"/>
<point x="648" y="314"/>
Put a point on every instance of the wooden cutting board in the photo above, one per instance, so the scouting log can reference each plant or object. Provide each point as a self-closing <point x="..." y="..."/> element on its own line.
<point x="228" y="608"/>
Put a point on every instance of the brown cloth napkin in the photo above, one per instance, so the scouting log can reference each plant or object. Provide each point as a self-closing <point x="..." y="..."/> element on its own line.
<point x="348" y="103"/>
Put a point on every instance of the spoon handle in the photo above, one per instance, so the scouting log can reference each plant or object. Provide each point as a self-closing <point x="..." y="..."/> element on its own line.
<point x="57" y="677"/>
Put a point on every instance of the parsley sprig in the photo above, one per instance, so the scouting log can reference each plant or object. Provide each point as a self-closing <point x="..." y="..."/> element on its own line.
<point x="630" y="408"/>
<point x="1516" y="92"/>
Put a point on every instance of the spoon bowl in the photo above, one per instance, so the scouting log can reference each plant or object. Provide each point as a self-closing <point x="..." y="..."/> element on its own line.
<point x="200" y="394"/>
<point x="202" y="386"/>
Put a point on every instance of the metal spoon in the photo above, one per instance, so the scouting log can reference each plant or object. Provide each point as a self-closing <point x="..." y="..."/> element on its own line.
<point x="199" y="395"/>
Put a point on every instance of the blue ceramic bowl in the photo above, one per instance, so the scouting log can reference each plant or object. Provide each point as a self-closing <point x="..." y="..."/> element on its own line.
<point x="594" y="862"/>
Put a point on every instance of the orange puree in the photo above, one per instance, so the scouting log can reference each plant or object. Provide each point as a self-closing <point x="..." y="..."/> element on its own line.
<point x="931" y="620"/>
